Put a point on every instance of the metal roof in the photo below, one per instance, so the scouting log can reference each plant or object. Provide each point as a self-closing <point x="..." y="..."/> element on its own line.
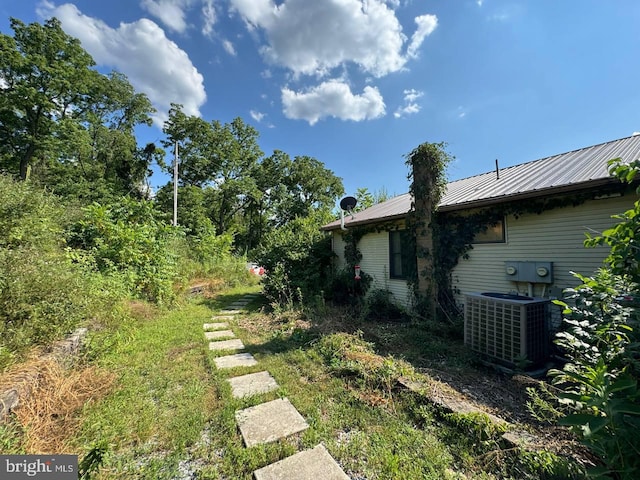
<point x="566" y="172"/>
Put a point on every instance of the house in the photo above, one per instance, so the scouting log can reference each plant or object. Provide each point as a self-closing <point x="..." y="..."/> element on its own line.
<point x="556" y="201"/>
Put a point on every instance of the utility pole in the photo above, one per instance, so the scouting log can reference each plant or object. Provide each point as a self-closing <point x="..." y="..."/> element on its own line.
<point x="175" y="186"/>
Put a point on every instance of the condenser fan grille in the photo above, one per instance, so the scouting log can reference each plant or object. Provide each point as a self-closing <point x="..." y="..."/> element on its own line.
<point x="506" y="331"/>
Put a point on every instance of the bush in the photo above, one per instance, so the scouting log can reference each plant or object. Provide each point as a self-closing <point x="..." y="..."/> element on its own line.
<point x="601" y="341"/>
<point x="297" y="257"/>
<point x="600" y="381"/>
<point x="45" y="292"/>
<point x="380" y="305"/>
<point x="128" y="239"/>
<point x="343" y="289"/>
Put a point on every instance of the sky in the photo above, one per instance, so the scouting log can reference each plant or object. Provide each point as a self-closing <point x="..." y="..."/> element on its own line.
<point x="358" y="84"/>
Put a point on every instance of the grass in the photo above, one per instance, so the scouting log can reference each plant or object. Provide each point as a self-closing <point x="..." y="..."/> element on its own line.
<point x="169" y="413"/>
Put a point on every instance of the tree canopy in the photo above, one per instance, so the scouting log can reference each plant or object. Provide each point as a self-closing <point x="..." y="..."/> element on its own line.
<point x="62" y="121"/>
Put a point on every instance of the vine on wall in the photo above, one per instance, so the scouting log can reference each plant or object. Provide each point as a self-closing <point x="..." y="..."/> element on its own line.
<point x="440" y="239"/>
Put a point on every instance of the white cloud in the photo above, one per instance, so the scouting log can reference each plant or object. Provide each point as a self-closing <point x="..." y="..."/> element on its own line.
<point x="312" y="38"/>
<point x="257" y="116"/>
<point x="209" y="17"/>
<point x="410" y="105"/>
<point x="170" y="12"/>
<point x="479" y="2"/>
<point x="333" y="99"/>
<point x="426" y="25"/>
<point x="154" y="64"/>
<point x="229" y="48"/>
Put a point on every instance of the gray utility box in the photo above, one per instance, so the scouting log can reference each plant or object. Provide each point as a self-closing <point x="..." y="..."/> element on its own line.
<point x="529" y="272"/>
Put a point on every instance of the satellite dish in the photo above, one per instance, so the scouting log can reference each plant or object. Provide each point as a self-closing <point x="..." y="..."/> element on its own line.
<point x="348" y="203"/>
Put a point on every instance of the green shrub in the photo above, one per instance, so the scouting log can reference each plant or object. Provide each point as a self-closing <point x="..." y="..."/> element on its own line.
<point x="45" y="290"/>
<point x="380" y="305"/>
<point x="128" y="238"/>
<point x="297" y="257"/>
<point x="600" y="381"/>
<point x="601" y="341"/>
<point x="344" y="289"/>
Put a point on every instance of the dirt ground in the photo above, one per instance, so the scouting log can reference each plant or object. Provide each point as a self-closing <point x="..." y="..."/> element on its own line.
<point x="506" y="397"/>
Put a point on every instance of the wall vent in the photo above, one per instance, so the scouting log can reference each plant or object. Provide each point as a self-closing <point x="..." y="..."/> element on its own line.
<point x="507" y="328"/>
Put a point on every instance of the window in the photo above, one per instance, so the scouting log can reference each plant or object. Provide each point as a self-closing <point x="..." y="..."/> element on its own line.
<point x="399" y="254"/>
<point x="494" y="234"/>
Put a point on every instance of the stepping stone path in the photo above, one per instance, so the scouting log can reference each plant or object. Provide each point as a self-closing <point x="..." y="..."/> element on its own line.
<point x="215" y="326"/>
<point x="252" y="384"/>
<point x="270" y="421"/>
<point x="237" y="360"/>
<point x="316" y="463"/>
<point x="218" y="334"/>
<point x="234" y="344"/>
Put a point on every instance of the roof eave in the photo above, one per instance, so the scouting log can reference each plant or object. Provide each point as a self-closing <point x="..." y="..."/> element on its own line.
<point x="531" y="194"/>
<point x="485" y="202"/>
<point x="356" y="223"/>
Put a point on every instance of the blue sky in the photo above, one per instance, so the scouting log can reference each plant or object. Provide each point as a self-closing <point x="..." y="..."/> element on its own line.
<point x="358" y="84"/>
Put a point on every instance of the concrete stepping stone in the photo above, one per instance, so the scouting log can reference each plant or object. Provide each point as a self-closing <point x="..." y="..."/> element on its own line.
<point x="269" y="422"/>
<point x="252" y="384"/>
<point x="219" y="334"/>
<point x="237" y="360"/>
<point x="316" y="463"/>
<point x="230" y="313"/>
<point x="235" y="344"/>
<point x="222" y="317"/>
<point x="215" y="326"/>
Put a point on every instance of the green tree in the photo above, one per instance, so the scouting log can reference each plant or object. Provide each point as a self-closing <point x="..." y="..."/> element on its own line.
<point x="367" y="199"/>
<point x="221" y="156"/>
<point x="69" y="124"/>
<point x="297" y="257"/>
<point x="47" y="85"/>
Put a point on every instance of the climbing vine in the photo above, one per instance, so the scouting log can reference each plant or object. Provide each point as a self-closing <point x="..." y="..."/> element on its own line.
<point x="428" y="163"/>
<point x="452" y="233"/>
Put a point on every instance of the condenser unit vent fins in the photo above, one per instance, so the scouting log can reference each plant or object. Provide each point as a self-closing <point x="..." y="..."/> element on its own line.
<point x="506" y="330"/>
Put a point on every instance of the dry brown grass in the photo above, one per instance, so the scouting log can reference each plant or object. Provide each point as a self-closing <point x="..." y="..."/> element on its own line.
<point x="50" y="415"/>
<point x="142" y="310"/>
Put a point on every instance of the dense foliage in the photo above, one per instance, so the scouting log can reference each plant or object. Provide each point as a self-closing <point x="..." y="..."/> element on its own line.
<point x="62" y="123"/>
<point x="44" y="290"/>
<point x="127" y="239"/>
<point x="297" y="257"/>
<point x="69" y="256"/>
<point x="601" y="341"/>
<point x="225" y="178"/>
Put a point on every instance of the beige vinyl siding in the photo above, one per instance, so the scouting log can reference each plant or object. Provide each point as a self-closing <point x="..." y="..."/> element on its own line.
<point x="555" y="235"/>
<point x="375" y="262"/>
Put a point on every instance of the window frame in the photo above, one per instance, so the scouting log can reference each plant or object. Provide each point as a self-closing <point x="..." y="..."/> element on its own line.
<point x="503" y="239"/>
<point x="393" y="275"/>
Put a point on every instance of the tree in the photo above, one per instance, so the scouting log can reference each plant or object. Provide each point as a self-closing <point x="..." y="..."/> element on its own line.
<point x="64" y="121"/>
<point x="367" y="199"/>
<point x="309" y="187"/>
<point x="47" y="84"/>
<point x="223" y="157"/>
